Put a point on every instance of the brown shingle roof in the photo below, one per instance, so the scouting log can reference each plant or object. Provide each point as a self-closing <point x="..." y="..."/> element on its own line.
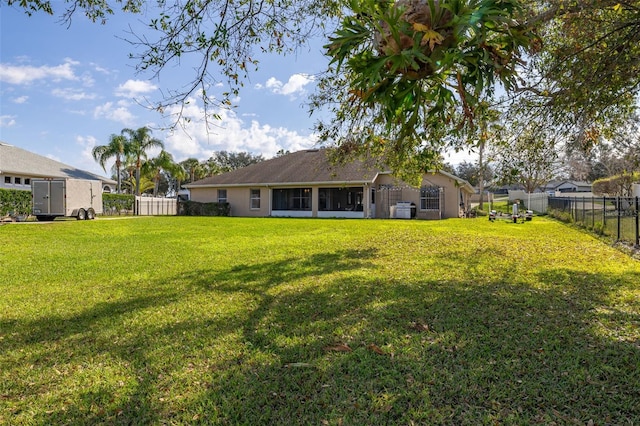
<point x="310" y="166"/>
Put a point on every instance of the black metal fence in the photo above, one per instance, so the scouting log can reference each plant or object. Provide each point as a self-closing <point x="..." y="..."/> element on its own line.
<point x="615" y="217"/>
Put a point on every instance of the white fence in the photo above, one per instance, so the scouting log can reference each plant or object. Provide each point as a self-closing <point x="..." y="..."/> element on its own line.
<point x="154" y="206"/>
<point x="537" y="201"/>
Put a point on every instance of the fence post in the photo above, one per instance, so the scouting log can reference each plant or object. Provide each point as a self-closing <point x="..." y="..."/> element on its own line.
<point x="593" y="212"/>
<point x="637" y="222"/>
<point x="604" y="212"/>
<point x="618" y="205"/>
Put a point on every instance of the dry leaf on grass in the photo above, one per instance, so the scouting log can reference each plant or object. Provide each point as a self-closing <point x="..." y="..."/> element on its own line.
<point x="298" y="364"/>
<point x="374" y="348"/>
<point x="418" y="326"/>
<point x="337" y="348"/>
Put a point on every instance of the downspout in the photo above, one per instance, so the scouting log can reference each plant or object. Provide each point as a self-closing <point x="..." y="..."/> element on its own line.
<point x="367" y="201"/>
<point x="270" y="195"/>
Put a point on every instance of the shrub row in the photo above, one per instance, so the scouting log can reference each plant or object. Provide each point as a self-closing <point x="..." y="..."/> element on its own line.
<point x="116" y="203"/>
<point x="619" y="185"/>
<point x="14" y="202"/>
<point x="193" y="208"/>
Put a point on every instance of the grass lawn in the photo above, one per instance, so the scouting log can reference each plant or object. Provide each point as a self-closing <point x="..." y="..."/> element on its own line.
<point x="177" y="320"/>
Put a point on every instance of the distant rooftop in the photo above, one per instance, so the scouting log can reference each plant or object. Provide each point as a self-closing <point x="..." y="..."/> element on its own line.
<point x="14" y="160"/>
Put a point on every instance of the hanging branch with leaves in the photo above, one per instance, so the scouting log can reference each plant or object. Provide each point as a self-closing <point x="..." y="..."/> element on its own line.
<point x="406" y="75"/>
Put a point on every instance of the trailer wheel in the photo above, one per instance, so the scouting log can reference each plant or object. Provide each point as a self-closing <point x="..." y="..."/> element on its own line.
<point x="91" y="214"/>
<point x="82" y="214"/>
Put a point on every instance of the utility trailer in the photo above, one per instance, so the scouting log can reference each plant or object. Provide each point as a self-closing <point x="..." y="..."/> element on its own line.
<point x="79" y="198"/>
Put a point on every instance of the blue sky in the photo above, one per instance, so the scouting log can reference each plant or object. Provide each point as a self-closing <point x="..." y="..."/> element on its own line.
<point x="65" y="90"/>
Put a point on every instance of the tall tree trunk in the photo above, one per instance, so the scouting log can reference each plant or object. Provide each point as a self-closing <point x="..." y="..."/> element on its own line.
<point x="119" y="184"/>
<point x="138" y="166"/>
<point x="481" y="171"/>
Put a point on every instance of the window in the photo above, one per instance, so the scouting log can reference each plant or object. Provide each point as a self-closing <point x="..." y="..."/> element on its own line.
<point x="17" y="181"/>
<point x="430" y="198"/>
<point x="27" y="181"/>
<point x="7" y="179"/>
<point x="255" y="199"/>
<point x="222" y="195"/>
<point x="340" y="199"/>
<point x="292" y="199"/>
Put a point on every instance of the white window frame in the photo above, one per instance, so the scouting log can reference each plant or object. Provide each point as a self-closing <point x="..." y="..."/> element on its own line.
<point x="254" y="197"/>
<point x="220" y="198"/>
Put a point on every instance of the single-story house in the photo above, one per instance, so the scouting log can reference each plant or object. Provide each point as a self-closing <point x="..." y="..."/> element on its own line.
<point x="18" y="167"/>
<point x="567" y="186"/>
<point x="307" y="184"/>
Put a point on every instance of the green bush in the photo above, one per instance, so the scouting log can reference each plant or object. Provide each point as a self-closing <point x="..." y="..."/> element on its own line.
<point x="561" y="215"/>
<point x="15" y="202"/>
<point x="193" y="208"/>
<point x="618" y="185"/>
<point x="599" y="228"/>
<point x="115" y="203"/>
<point x="479" y="213"/>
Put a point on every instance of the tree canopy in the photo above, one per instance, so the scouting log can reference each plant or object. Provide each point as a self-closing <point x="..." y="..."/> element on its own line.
<point x="225" y="161"/>
<point x="406" y="77"/>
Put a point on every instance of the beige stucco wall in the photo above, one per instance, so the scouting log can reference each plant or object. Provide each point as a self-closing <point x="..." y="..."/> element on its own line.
<point x="411" y="194"/>
<point x="239" y="198"/>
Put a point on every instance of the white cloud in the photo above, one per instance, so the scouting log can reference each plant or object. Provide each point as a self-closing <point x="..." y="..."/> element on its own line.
<point x="86" y="160"/>
<point x="100" y="69"/>
<point x="231" y="134"/>
<point x="21" y="100"/>
<point x="295" y="85"/>
<point x="120" y="114"/>
<point x="7" y="120"/>
<point x="133" y="88"/>
<point x="25" y="74"/>
<point x="72" y="94"/>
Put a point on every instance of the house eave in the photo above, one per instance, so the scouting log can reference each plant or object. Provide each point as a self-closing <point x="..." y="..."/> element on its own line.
<point x="280" y="184"/>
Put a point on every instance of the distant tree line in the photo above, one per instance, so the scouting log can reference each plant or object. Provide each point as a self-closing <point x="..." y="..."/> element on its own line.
<point x="138" y="173"/>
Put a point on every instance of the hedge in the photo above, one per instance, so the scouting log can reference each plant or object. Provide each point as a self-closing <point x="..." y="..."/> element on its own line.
<point x="14" y="202"/>
<point x="619" y="185"/>
<point x="193" y="208"/>
<point x="116" y="203"/>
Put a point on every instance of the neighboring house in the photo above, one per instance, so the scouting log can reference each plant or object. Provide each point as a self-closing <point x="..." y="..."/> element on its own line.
<point x="18" y="167"/>
<point x="504" y="189"/>
<point x="307" y="184"/>
<point x="567" y="186"/>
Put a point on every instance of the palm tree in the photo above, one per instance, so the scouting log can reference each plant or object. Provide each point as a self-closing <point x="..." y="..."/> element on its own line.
<point x="117" y="147"/>
<point x="146" y="184"/>
<point x="178" y="174"/>
<point x="194" y="168"/>
<point x="155" y="166"/>
<point x="141" y="141"/>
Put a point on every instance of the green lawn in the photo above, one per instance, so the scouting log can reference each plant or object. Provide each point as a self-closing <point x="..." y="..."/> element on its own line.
<point x="178" y="320"/>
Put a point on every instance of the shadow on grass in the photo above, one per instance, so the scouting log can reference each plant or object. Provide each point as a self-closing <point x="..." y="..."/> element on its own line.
<point x="445" y="352"/>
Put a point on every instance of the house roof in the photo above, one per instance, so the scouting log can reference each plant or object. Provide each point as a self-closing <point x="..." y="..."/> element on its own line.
<point x="558" y="183"/>
<point x="304" y="167"/>
<point x="14" y="160"/>
<point x="309" y="166"/>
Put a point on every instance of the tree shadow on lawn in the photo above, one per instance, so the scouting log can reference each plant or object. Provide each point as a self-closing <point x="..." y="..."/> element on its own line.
<point x="444" y="353"/>
<point x="420" y="350"/>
